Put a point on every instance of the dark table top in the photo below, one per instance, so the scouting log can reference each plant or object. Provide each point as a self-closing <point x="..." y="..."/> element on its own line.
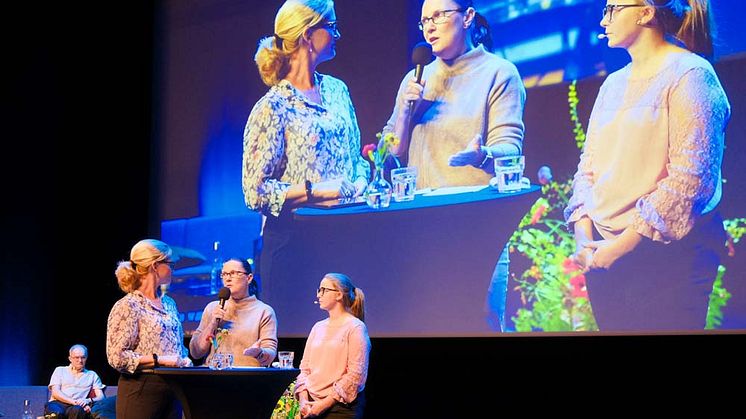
<point x="420" y="201"/>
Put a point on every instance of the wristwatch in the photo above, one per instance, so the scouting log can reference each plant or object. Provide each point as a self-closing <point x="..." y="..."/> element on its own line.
<point x="309" y="190"/>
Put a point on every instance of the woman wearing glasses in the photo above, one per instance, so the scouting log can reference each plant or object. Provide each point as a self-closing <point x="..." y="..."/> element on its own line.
<point x="468" y="109"/>
<point x="335" y="360"/>
<point x="301" y="142"/>
<point x="251" y="325"/>
<point x="649" y="179"/>
<point x="144" y="331"/>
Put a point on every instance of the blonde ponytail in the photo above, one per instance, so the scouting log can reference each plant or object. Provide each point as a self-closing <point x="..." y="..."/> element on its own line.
<point x="293" y="19"/>
<point x="688" y="22"/>
<point x="697" y="28"/>
<point x="143" y="255"/>
<point x="272" y="62"/>
<point x="358" y="305"/>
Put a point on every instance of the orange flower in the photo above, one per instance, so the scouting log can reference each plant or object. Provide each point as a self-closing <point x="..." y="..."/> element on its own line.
<point x="540" y="210"/>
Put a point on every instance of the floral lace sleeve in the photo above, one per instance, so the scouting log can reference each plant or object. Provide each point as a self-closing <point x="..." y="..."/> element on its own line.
<point x="122" y="335"/>
<point x="346" y="388"/>
<point x="698" y="112"/>
<point x="263" y="150"/>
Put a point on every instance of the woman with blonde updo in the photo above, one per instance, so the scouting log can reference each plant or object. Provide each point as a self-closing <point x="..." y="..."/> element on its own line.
<point x="302" y="142"/>
<point x="335" y="361"/>
<point x="649" y="179"/>
<point x="144" y="331"/>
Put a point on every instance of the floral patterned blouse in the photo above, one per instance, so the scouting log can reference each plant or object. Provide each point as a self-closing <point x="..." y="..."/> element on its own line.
<point x="136" y="327"/>
<point x="653" y="153"/>
<point x="289" y="139"/>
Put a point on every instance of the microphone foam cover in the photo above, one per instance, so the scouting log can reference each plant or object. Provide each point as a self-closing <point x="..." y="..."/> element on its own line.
<point x="422" y="53"/>
<point x="224" y="293"/>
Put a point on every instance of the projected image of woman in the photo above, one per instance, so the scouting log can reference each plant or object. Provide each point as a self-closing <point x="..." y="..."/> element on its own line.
<point x="468" y="108"/>
<point x="335" y="360"/>
<point x="302" y="141"/>
<point x="649" y="178"/>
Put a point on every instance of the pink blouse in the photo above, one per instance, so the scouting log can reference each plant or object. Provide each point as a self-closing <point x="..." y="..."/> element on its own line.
<point x="335" y="360"/>
<point x="653" y="153"/>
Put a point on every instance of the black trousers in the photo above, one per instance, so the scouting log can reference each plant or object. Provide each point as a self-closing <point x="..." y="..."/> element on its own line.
<point x="65" y="410"/>
<point x="144" y="396"/>
<point x="660" y="286"/>
<point x="352" y="410"/>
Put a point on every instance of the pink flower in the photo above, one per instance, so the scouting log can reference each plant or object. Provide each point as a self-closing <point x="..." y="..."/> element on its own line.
<point x="368" y="149"/>
<point x="578" y="286"/>
<point x="569" y="266"/>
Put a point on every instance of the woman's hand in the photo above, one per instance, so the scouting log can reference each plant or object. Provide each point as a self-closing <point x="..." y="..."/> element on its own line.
<point x="332" y="189"/>
<point x="169" y="360"/>
<point x="360" y="185"/>
<point x="412" y="93"/>
<point x="472" y="154"/>
<point x="583" y="257"/>
<point x="217" y="314"/>
<point x="607" y="252"/>
<point x="317" y="407"/>
<point x="174" y="361"/>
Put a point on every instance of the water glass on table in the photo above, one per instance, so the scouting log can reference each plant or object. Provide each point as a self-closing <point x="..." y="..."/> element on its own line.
<point x="404" y="180"/>
<point x="221" y="361"/>
<point x="286" y="359"/>
<point x="509" y="172"/>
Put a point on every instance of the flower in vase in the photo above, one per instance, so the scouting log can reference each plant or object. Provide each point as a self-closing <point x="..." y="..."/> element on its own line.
<point x="378" y="152"/>
<point x="220" y="334"/>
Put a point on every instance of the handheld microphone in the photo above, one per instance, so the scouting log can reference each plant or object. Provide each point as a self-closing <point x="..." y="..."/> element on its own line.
<point x="421" y="55"/>
<point x="223" y="295"/>
<point x="602" y="36"/>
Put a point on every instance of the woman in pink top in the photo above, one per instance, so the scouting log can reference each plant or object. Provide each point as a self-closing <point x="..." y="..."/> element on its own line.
<point x="335" y="361"/>
<point x="649" y="177"/>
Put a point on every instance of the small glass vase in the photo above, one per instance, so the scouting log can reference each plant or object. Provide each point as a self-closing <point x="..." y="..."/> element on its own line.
<point x="378" y="192"/>
<point x="221" y="361"/>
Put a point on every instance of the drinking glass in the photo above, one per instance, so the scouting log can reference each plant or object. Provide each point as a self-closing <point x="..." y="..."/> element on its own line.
<point x="509" y="171"/>
<point x="404" y="180"/>
<point x="286" y="359"/>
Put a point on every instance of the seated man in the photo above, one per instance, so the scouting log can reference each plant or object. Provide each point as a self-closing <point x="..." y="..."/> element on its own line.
<point x="71" y="386"/>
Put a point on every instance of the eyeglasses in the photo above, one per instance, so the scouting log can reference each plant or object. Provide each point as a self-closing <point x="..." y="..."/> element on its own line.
<point x="232" y="274"/>
<point x="610" y="8"/>
<point x="323" y="290"/>
<point x="79" y="357"/>
<point x="439" y="17"/>
<point x="331" y="26"/>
